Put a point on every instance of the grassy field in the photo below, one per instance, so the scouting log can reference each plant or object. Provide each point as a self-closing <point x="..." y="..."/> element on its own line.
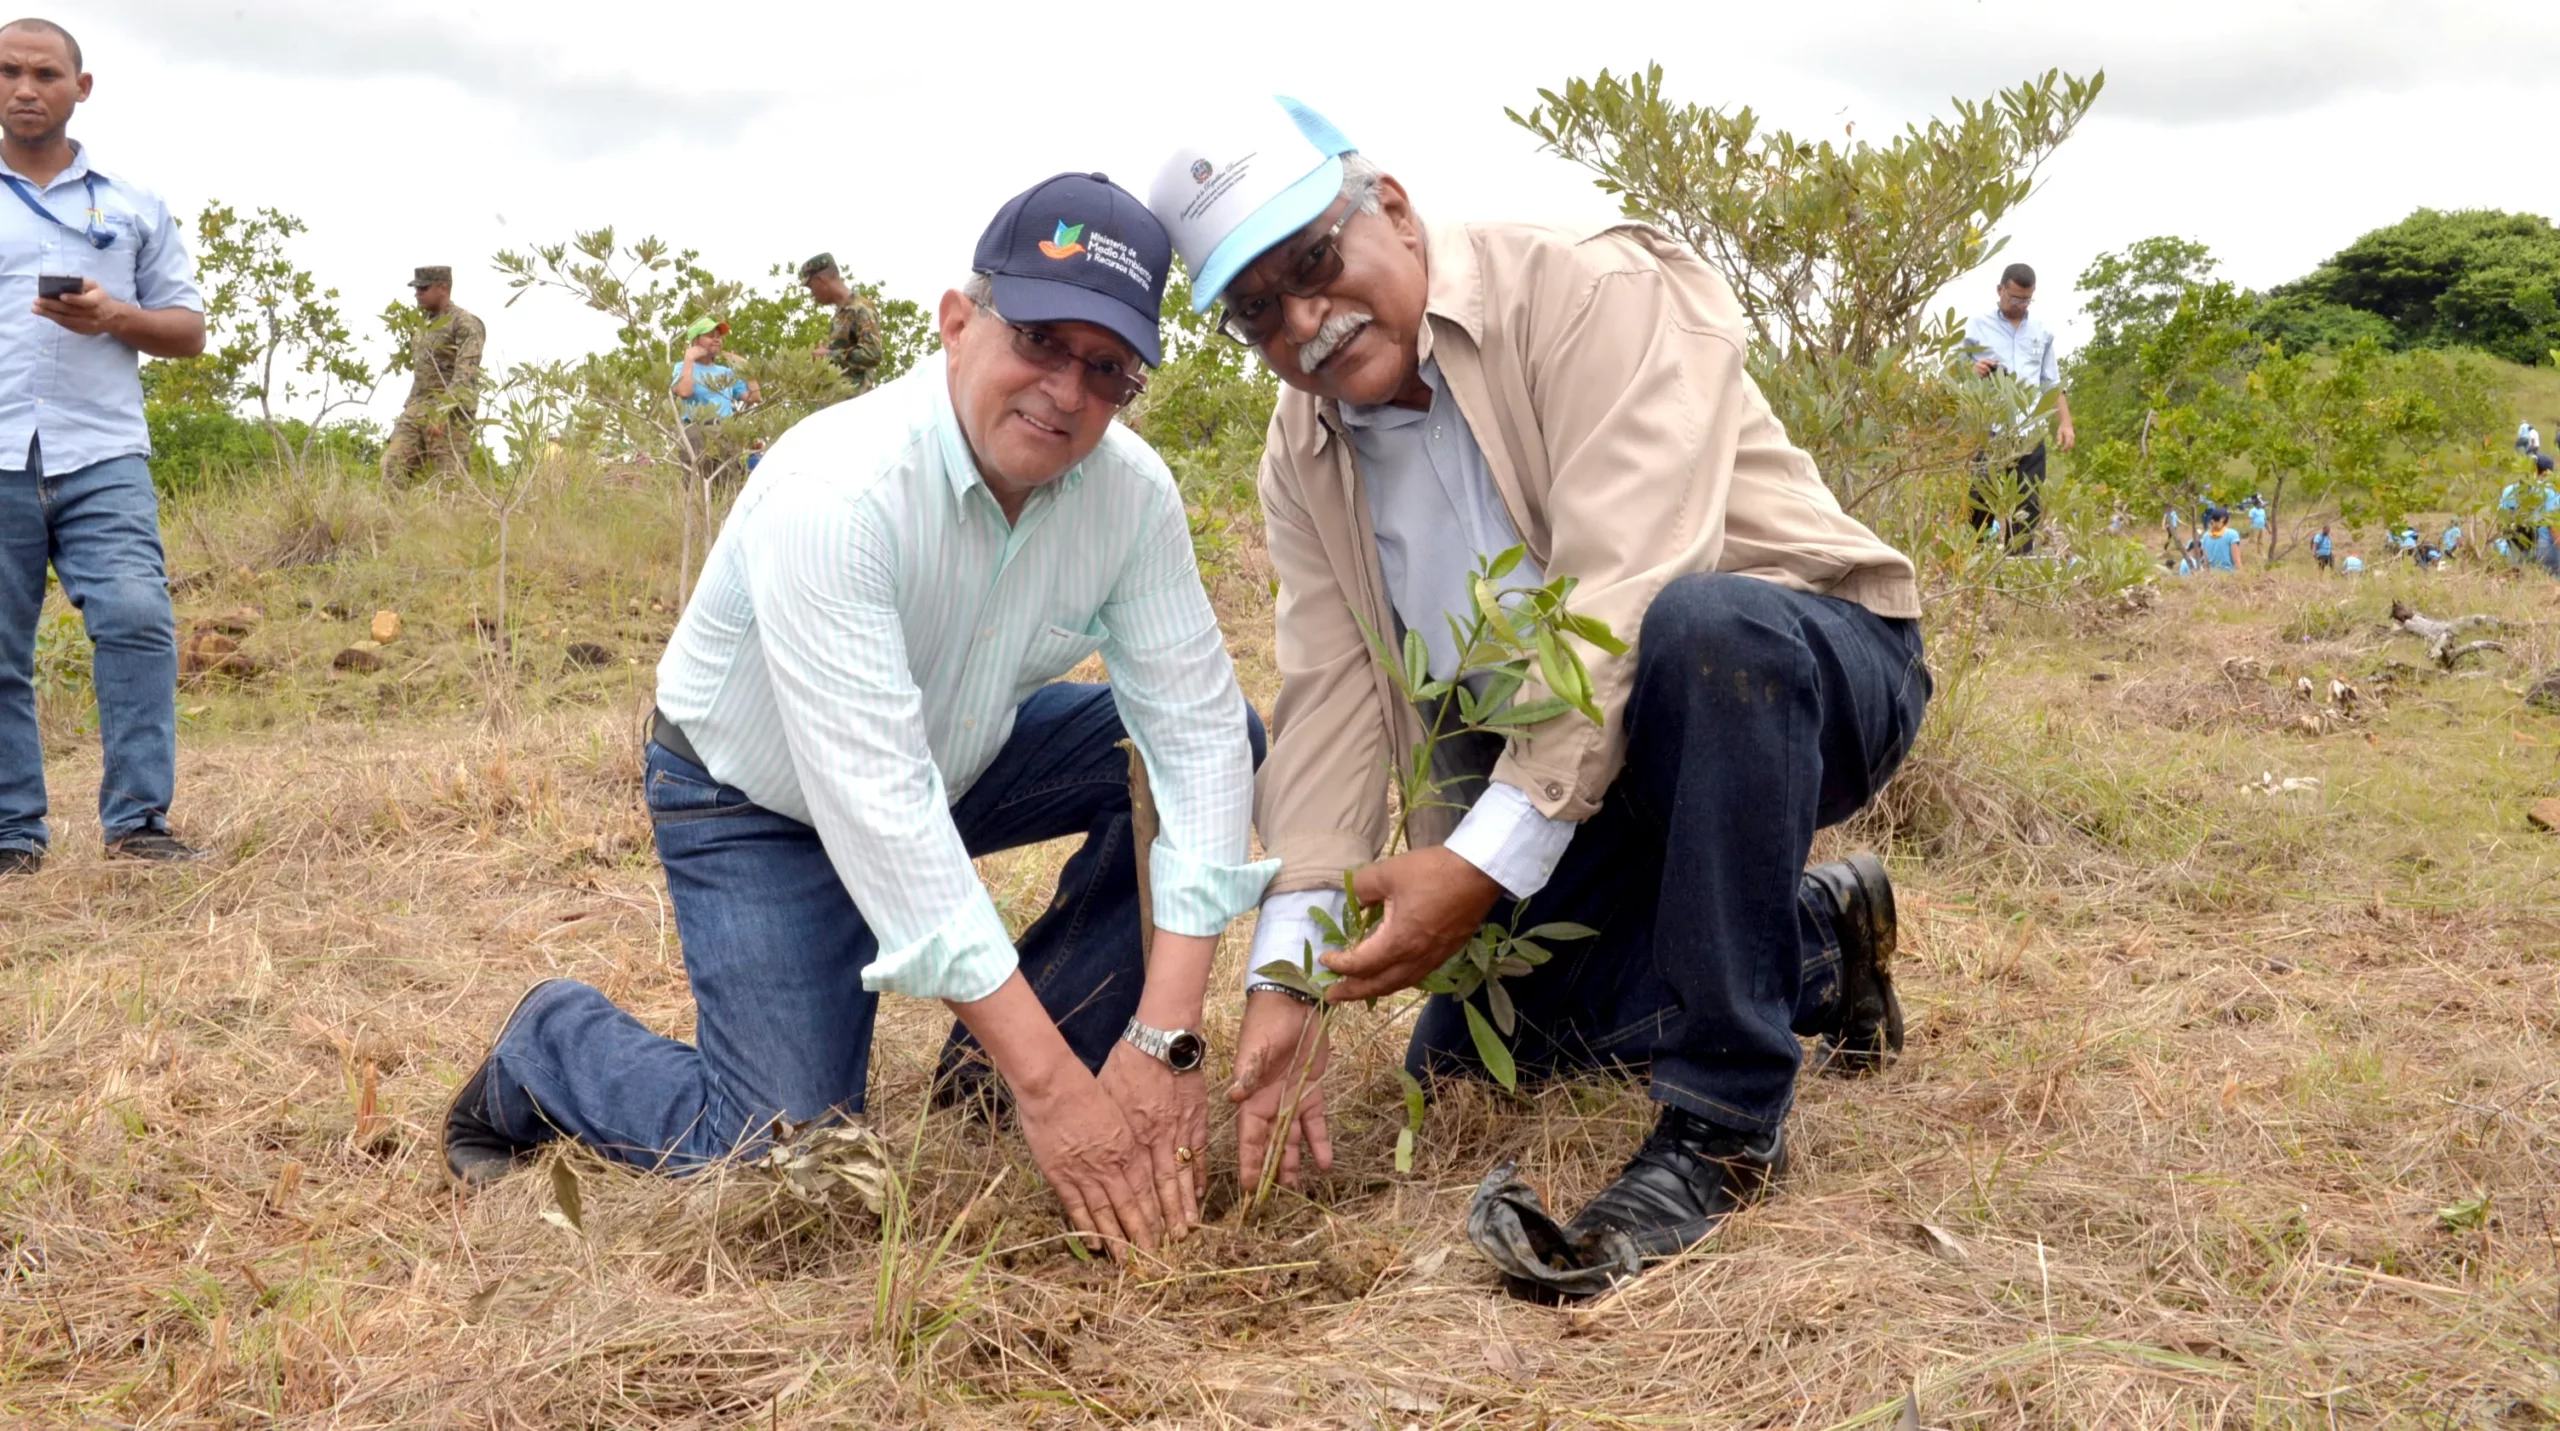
<point x="2227" y="1104"/>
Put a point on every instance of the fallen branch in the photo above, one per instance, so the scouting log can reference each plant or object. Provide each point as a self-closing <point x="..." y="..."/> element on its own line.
<point x="2439" y="634"/>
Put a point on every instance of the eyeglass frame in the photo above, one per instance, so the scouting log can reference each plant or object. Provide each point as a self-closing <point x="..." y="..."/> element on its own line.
<point x="1136" y="379"/>
<point x="1331" y="238"/>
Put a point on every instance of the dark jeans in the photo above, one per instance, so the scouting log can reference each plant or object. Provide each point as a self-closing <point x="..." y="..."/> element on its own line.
<point x="2020" y="525"/>
<point x="775" y="948"/>
<point x="1759" y="714"/>
<point x="99" y="528"/>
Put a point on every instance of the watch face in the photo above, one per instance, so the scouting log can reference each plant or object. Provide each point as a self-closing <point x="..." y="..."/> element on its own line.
<point x="1184" y="1051"/>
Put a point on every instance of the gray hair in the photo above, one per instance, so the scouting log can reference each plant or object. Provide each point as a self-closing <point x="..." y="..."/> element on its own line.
<point x="1360" y="176"/>
<point x="980" y="289"/>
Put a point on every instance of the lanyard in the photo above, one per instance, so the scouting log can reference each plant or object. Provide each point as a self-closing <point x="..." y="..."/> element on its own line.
<point x="98" y="234"/>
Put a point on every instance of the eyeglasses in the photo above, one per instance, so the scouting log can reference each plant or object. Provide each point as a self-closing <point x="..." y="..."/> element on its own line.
<point x="1253" y="319"/>
<point x="1107" y="379"/>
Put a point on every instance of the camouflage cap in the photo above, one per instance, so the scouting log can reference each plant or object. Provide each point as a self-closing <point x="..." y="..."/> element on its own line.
<point x="823" y="263"/>
<point x="431" y="274"/>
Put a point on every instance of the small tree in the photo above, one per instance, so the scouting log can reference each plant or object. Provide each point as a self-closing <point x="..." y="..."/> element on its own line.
<point x="275" y="337"/>
<point x="623" y="400"/>
<point x="1834" y="251"/>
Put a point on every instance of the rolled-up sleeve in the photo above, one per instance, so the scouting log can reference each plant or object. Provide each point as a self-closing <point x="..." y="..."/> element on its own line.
<point x="1177" y="695"/>
<point x="823" y="585"/>
<point x="162" y="275"/>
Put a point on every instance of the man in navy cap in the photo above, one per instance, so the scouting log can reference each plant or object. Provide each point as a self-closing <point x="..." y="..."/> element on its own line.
<point x="863" y="695"/>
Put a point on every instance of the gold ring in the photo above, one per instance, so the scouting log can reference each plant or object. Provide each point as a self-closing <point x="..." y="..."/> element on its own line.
<point x="1182" y="1155"/>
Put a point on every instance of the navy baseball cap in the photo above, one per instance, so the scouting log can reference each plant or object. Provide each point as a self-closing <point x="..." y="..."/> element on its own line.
<point x="1078" y="248"/>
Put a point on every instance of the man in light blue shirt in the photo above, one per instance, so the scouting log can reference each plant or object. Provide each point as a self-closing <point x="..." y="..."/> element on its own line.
<point x="708" y="392"/>
<point x="2009" y="339"/>
<point x="92" y="275"/>
<point x="862" y="696"/>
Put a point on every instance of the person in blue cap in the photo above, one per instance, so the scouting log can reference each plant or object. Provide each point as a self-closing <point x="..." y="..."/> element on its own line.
<point x="1452" y="393"/>
<point x="864" y="694"/>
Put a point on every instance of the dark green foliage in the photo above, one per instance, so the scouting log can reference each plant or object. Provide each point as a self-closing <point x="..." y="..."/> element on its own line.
<point x="2476" y="278"/>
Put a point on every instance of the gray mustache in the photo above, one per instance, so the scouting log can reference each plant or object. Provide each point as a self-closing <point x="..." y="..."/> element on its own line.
<point x="1337" y="330"/>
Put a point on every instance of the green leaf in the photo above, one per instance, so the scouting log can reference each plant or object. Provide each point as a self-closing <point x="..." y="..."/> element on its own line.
<point x="1597" y="632"/>
<point x="1417" y="661"/>
<point x="1507" y="563"/>
<point x="1530" y="951"/>
<point x="2469" y="1215"/>
<point x="1513" y="968"/>
<point x="1490" y="1049"/>
<point x="1562" y="929"/>
<point x="1498" y="999"/>
<point x="1287" y="975"/>
<point x="1500" y="685"/>
<point x="1580" y="675"/>
<point x="1531" y="713"/>
<point x="1404" y="1150"/>
<point x="1552" y="668"/>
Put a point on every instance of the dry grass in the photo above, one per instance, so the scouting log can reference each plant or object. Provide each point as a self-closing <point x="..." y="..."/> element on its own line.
<point x="2193" y="1071"/>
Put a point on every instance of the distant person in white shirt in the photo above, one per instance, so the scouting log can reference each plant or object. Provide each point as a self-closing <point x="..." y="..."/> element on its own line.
<point x="863" y="695"/>
<point x="2007" y="338"/>
<point x="2528" y="441"/>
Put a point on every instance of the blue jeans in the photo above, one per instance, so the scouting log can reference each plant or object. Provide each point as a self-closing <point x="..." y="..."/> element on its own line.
<point x="1759" y="714"/>
<point x="98" y="527"/>
<point x="775" y="948"/>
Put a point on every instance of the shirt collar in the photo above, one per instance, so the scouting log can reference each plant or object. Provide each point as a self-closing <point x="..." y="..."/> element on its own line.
<point x="81" y="167"/>
<point x="1386" y="414"/>
<point x="959" y="466"/>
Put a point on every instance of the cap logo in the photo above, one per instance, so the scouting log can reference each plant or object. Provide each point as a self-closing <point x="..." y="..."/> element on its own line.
<point x="1068" y="243"/>
<point x="1200" y="171"/>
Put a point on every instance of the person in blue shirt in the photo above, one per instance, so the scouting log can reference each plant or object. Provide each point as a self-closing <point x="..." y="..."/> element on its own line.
<point x="2323" y="551"/>
<point x="708" y="392"/>
<point x="2452" y="538"/>
<point x="2257" y="514"/>
<point x="93" y="276"/>
<point x="2354" y="565"/>
<point x="2221" y="545"/>
<point x="2009" y="338"/>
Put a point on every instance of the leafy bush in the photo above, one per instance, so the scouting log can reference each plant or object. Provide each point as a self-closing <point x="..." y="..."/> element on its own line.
<point x="2475" y="278"/>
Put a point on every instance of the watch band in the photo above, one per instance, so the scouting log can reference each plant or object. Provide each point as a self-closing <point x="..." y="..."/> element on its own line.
<point x="1274" y="986"/>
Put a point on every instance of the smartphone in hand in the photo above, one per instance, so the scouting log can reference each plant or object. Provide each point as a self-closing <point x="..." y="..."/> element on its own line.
<point x="59" y="285"/>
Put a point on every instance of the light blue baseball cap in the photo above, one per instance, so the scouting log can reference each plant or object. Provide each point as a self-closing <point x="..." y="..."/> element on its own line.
<point x="1261" y="174"/>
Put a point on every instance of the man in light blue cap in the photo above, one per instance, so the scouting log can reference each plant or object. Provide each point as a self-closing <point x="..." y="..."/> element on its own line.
<point x="1452" y="393"/>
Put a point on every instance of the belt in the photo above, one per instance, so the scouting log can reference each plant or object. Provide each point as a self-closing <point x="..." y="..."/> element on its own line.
<point x="671" y="738"/>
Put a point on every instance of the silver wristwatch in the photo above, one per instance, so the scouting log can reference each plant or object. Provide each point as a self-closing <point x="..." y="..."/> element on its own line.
<point x="1178" y="1049"/>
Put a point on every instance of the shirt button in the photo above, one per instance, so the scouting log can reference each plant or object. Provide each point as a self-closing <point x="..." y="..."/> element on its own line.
<point x="1554" y="791"/>
<point x="969" y="723"/>
<point x="987" y="633"/>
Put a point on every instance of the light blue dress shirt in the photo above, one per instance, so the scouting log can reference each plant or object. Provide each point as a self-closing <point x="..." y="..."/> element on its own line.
<point x="2026" y="351"/>
<point x="82" y="394"/>
<point x="867" y="622"/>
<point x="1436" y="511"/>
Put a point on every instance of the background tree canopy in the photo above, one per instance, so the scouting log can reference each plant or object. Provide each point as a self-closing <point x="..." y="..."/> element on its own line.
<point x="2477" y="278"/>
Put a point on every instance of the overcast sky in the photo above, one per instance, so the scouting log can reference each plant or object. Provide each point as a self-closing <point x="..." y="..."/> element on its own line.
<point x="408" y="133"/>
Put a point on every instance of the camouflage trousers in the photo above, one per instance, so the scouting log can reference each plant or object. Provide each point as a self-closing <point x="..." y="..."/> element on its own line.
<point x="414" y="445"/>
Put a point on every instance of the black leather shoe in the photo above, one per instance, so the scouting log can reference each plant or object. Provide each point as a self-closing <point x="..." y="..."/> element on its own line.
<point x="1869" y="1033"/>
<point x="21" y="861"/>
<point x="476" y="1152"/>
<point x="1681" y="1183"/>
<point x="156" y="846"/>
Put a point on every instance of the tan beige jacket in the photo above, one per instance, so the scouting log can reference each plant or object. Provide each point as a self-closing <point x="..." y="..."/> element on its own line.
<point x="1602" y="373"/>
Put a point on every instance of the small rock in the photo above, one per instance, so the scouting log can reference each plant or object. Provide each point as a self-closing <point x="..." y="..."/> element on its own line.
<point x="588" y="653"/>
<point x="2545" y="815"/>
<point x="207" y="652"/>
<point x="337" y="611"/>
<point x="2544" y="694"/>
<point x="238" y="621"/>
<point x="2102" y="675"/>
<point x="2243" y="668"/>
<point x="362" y="656"/>
<point x="386" y="627"/>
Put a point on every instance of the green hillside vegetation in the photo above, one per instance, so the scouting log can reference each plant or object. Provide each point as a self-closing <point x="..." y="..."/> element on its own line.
<point x="2476" y="278"/>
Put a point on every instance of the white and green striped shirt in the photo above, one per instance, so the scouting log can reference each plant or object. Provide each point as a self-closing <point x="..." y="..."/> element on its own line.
<point x="867" y="623"/>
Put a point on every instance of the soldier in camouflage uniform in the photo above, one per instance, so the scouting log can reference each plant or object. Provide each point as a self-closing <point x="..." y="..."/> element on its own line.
<point x="436" y="424"/>
<point x="853" y="342"/>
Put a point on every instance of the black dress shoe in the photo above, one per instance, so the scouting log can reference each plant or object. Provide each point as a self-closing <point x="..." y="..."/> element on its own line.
<point x="1869" y="1033"/>
<point x="21" y="861"/>
<point x="1681" y="1183"/>
<point x="476" y="1152"/>
<point x="156" y="846"/>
